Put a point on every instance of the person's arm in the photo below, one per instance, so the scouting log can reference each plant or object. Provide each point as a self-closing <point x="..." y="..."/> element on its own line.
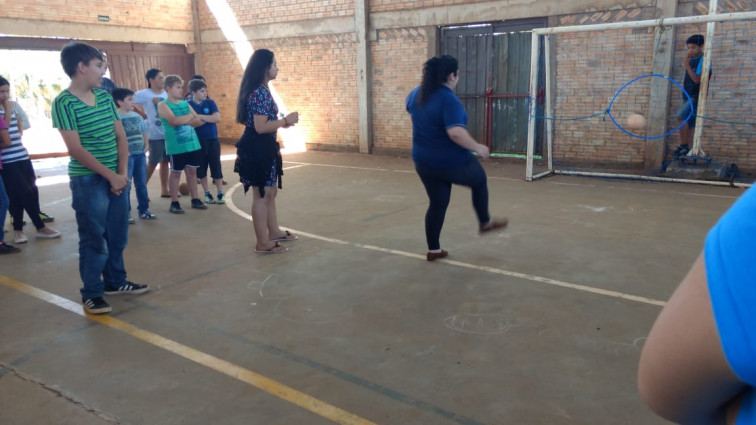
<point x="212" y="118"/>
<point x="8" y="107"/>
<point x="195" y="120"/>
<point x="146" y="141"/>
<point x="692" y="72"/>
<point x="462" y="137"/>
<point x="76" y="150"/>
<point x="122" y="144"/>
<point x="139" y="109"/>
<point x="683" y="374"/>
<point x="23" y="119"/>
<point x="165" y="112"/>
<point x="214" y="115"/>
<point x="5" y="139"/>
<point x="265" y="126"/>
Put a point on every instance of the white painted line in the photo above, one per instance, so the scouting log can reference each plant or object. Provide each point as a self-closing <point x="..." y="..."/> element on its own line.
<point x="493" y="270"/>
<point x="523" y="181"/>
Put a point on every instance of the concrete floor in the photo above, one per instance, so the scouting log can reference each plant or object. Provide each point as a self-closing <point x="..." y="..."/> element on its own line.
<point x="532" y="325"/>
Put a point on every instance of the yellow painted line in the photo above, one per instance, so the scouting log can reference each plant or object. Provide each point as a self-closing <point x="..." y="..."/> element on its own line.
<point x="247" y="376"/>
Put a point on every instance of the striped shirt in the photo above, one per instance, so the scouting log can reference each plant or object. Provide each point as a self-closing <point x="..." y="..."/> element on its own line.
<point x="16" y="151"/>
<point x="94" y="125"/>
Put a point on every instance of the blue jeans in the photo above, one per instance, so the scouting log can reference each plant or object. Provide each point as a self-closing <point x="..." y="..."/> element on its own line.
<point x="438" y="183"/>
<point x="3" y="207"/>
<point x="102" y="219"/>
<point x="138" y="177"/>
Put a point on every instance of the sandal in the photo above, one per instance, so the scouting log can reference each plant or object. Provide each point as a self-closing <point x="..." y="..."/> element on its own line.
<point x="288" y="236"/>
<point x="275" y="249"/>
<point x="496" y="223"/>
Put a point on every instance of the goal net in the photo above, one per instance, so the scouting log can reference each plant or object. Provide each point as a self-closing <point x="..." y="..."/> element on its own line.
<point x="612" y="101"/>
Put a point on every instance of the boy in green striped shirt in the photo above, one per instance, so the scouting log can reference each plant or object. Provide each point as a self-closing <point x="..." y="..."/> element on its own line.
<point x="91" y="128"/>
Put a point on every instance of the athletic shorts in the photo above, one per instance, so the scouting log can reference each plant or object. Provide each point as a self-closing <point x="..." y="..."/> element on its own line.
<point x="157" y="152"/>
<point x="180" y="161"/>
<point x="210" y="157"/>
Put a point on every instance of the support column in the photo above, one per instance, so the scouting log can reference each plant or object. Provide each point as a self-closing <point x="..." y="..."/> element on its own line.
<point x="659" y="101"/>
<point x="361" y="22"/>
<point x="704" y="89"/>
<point x="197" y="37"/>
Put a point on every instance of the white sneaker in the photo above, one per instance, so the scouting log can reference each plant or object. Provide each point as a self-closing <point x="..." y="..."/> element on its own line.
<point x="53" y="235"/>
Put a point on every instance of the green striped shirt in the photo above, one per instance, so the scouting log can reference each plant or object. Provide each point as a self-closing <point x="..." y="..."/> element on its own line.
<point x="94" y="125"/>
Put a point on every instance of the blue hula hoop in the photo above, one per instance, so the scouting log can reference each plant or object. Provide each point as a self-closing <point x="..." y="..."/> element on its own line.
<point x="609" y="110"/>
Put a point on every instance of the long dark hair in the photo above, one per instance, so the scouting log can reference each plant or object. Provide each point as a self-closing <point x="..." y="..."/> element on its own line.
<point x="435" y="73"/>
<point x="254" y="75"/>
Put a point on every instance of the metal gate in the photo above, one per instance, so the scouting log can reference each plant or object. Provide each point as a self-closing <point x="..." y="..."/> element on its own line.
<point x="494" y="80"/>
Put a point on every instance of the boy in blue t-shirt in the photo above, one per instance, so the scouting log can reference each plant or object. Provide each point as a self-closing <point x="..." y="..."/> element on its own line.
<point x="207" y="133"/>
<point x="136" y="134"/>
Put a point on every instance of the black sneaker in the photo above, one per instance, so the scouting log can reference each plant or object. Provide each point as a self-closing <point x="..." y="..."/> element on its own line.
<point x="46" y="218"/>
<point x="128" y="288"/>
<point x="176" y="208"/>
<point x="197" y="204"/>
<point x="96" y="305"/>
<point x="8" y="249"/>
<point x="681" y="150"/>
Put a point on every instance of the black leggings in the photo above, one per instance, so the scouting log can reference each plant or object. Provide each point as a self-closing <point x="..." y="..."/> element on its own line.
<point x="20" y="183"/>
<point x="438" y="183"/>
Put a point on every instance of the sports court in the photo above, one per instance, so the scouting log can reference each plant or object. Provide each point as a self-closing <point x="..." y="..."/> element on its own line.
<point x="542" y="322"/>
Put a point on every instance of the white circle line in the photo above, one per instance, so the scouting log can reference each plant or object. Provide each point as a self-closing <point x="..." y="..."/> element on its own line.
<point x="539" y="279"/>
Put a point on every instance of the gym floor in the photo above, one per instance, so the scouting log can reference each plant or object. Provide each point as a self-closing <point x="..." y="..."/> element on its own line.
<point x="542" y="323"/>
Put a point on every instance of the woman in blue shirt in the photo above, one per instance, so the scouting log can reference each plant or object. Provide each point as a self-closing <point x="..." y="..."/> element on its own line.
<point x="698" y="365"/>
<point x="442" y="150"/>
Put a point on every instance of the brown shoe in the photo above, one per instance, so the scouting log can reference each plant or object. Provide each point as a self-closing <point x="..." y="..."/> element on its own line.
<point x="496" y="223"/>
<point x="435" y="255"/>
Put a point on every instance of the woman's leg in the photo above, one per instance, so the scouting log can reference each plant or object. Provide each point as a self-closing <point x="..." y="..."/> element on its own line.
<point x="13" y="182"/>
<point x="30" y="196"/>
<point x="683" y="374"/>
<point x="473" y="176"/>
<point x="261" y="219"/>
<point x="439" y="193"/>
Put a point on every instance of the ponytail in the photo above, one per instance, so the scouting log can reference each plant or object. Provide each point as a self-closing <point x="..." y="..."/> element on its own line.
<point x="436" y="72"/>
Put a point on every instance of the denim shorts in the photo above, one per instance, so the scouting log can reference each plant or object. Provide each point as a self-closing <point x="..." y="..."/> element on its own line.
<point x="686" y="111"/>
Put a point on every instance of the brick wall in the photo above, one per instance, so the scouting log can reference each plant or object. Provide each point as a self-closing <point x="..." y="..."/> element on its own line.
<point x="731" y="95"/>
<point x="588" y="74"/>
<point x="317" y="77"/>
<point x="397" y="61"/>
<point x="258" y="13"/>
<point x="163" y="14"/>
<point x="394" y="5"/>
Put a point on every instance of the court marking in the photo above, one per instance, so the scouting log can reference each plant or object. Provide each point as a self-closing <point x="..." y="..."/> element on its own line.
<point x="538" y="279"/>
<point x="229" y="369"/>
<point x="524" y="181"/>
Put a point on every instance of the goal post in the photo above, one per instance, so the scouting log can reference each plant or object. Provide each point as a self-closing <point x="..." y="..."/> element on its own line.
<point x="584" y="78"/>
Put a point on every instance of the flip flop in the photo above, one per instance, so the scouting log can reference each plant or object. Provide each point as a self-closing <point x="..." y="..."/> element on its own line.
<point x="494" y="224"/>
<point x="286" y="238"/>
<point x="276" y="249"/>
